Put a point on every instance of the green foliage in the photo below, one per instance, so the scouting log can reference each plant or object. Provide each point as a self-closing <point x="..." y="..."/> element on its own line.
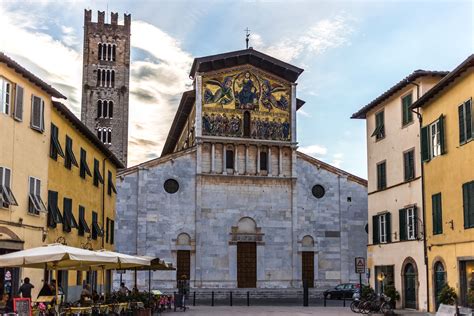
<point x="447" y="295"/>
<point x="391" y="292"/>
<point x="366" y="292"/>
<point x="470" y="298"/>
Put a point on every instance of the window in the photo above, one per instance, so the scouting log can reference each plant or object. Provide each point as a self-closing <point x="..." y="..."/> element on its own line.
<point x="6" y="195"/>
<point x="381" y="176"/>
<point x="105" y="108"/>
<point x="171" y="186"/>
<point x="96" y="230"/>
<point x="318" y="191"/>
<point x="436" y="205"/>
<point x="107" y="226"/>
<point x="105" y="135"/>
<point x="381" y="228"/>
<point x="106" y="78"/>
<point x="379" y="131"/>
<point x="97" y="176"/>
<point x="112" y="233"/>
<point x="70" y="158"/>
<point x="55" y="148"/>
<point x="68" y="218"/>
<point x="229" y="159"/>
<point x="54" y="214"/>
<point x="110" y="184"/>
<point x="466" y="130"/>
<point x="18" y="110"/>
<point x="408" y="223"/>
<point x="432" y="140"/>
<point x="5" y="95"/>
<point x="409" y="164"/>
<point x="407" y="114"/>
<point x="246" y="124"/>
<point x="109" y="231"/>
<point x="84" y="168"/>
<point x="468" y="202"/>
<point x="263" y="161"/>
<point x="83" y="227"/>
<point x="37" y="113"/>
<point x="106" y="52"/>
<point x="35" y="203"/>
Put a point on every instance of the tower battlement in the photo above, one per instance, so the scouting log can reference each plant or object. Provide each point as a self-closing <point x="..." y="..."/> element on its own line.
<point x="127" y="18"/>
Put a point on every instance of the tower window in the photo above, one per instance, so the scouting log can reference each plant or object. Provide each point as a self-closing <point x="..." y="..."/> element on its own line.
<point x="106" y="51"/>
<point x="113" y="52"/>
<point x="229" y="159"/>
<point x="263" y="160"/>
<point x="105" y="78"/>
<point x="105" y="108"/>
<point x="99" y="54"/>
<point x="246" y="124"/>
<point x="105" y="135"/>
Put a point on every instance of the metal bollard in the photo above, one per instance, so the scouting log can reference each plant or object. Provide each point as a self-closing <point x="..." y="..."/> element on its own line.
<point x="305" y="293"/>
<point x="248" y="298"/>
<point x="212" y="298"/>
<point x="230" y="298"/>
<point x="344" y="300"/>
<point x="194" y="298"/>
<point x="324" y="300"/>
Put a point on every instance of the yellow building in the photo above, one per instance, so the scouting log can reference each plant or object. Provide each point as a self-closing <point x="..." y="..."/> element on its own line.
<point x="81" y="193"/>
<point x="25" y="113"/>
<point x="447" y="146"/>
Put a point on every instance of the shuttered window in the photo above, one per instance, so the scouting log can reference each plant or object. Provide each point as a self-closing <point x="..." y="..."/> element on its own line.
<point x="112" y="232"/>
<point x="381" y="229"/>
<point x="5" y="95"/>
<point x="37" y="113"/>
<point x="436" y="205"/>
<point x="84" y="168"/>
<point x="55" y="148"/>
<point x="407" y="115"/>
<point x="96" y="230"/>
<point x="433" y="140"/>
<point x="69" y="221"/>
<point x="54" y="214"/>
<point x="409" y="164"/>
<point x="18" y="110"/>
<point x="408" y="220"/>
<point x="381" y="175"/>
<point x="110" y="182"/>
<point x="107" y="231"/>
<point x="6" y="195"/>
<point x="97" y="175"/>
<point x="83" y="227"/>
<point x="35" y="203"/>
<point x="466" y="129"/>
<point x="379" y="131"/>
<point x="70" y="158"/>
<point x="468" y="204"/>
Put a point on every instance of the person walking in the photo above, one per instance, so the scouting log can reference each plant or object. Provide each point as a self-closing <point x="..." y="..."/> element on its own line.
<point x="25" y="289"/>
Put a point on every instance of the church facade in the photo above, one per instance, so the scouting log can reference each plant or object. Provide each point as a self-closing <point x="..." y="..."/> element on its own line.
<point x="231" y="202"/>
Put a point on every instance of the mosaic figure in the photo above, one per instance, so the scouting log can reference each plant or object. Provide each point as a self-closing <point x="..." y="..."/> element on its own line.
<point x="223" y="94"/>
<point x="269" y="101"/>
<point x="266" y="129"/>
<point x="246" y="91"/>
<point x="221" y="125"/>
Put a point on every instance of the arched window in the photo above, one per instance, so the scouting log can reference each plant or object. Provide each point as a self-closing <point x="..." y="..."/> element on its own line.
<point x="104" y="52"/>
<point x="98" y="77"/>
<point x="108" y="78"/>
<point x="113" y="52"/>
<point x="99" y="108"/>
<point x="263" y="161"/>
<point x="105" y="135"/>
<point x="99" y="54"/>
<point x="109" y="136"/>
<point x="113" y="79"/>
<point x="110" y="111"/>
<point x="103" y="78"/>
<point x="109" y="52"/>
<point x="246" y="124"/>
<point x="229" y="159"/>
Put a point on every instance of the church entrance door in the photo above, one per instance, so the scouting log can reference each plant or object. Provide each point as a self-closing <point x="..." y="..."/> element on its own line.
<point x="183" y="268"/>
<point x="308" y="267"/>
<point x="246" y="265"/>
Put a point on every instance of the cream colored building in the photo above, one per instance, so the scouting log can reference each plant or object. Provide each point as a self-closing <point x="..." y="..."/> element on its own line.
<point x="25" y="113"/>
<point x="395" y="252"/>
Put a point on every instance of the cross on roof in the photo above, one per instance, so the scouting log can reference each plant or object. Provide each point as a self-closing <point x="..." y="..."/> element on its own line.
<point x="247" y="35"/>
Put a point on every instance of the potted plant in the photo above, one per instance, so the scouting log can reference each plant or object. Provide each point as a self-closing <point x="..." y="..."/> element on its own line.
<point x="447" y="295"/>
<point x="366" y="292"/>
<point x="470" y="298"/>
<point x="391" y="292"/>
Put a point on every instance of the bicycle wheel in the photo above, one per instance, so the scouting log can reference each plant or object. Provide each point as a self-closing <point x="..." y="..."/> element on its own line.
<point x="385" y="308"/>
<point x="354" y="307"/>
<point x="365" y="307"/>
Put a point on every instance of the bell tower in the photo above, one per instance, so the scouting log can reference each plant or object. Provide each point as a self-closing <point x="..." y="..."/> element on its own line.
<point x="105" y="80"/>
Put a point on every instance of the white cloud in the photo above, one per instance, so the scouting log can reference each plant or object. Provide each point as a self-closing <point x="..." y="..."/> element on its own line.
<point x="321" y="36"/>
<point x="314" y="150"/>
<point x="336" y="163"/>
<point x="303" y="113"/>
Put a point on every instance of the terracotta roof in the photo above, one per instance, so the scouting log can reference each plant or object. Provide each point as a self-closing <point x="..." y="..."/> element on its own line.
<point x="184" y="109"/>
<point x="361" y="114"/>
<point x="31" y="77"/>
<point x="61" y="108"/>
<point x="445" y="82"/>
<point x="330" y="168"/>
<point x="246" y="56"/>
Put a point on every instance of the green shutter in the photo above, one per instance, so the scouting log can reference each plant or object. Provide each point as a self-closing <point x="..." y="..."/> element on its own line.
<point x="388" y="226"/>
<point x="415" y="211"/>
<point x="375" y="230"/>
<point x="468" y="110"/>
<point x="437" y="214"/>
<point x="425" y="143"/>
<point x="405" y="166"/>
<point x="465" y="199"/>
<point x="403" y="224"/>
<point x="442" y="140"/>
<point x="461" y="114"/>
<point x="407" y="114"/>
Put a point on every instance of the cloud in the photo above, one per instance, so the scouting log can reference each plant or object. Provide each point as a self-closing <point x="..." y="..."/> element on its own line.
<point x="314" y="150"/>
<point x="303" y="113"/>
<point x="317" y="39"/>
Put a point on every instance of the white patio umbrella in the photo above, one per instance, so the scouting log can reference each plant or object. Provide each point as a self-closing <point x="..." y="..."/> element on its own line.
<point x="124" y="261"/>
<point x="57" y="257"/>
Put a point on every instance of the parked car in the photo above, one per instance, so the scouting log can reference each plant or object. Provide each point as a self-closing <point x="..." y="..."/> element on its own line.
<point x="345" y="290"/>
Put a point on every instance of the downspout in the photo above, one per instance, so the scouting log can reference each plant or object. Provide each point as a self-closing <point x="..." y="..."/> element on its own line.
<point x="103" y="199"/>
<point x="425" y="253"/>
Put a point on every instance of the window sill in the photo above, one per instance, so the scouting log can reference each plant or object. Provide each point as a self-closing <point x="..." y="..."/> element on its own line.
<point x="379" y="139"/>
<point x="408" y="124"/>
<point x="33" y="214"/>
<point x="37" y="129"/>
<point x="466" y="142"/>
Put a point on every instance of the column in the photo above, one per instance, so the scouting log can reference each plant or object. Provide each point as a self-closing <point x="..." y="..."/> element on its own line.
<point x="213" y="158"/>
<point x="236" y="159"/>
<point x="224" y="159"/>
<point x="198" y="122"/>
<point x="246" y="159"/>
<point x="258" y="160"/>
<point x="293" y="113"/>
<point x="269" y="161"/>
<point x="280" y="158"/>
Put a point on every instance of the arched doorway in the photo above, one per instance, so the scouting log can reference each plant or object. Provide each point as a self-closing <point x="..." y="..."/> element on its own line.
<point x="247" y="254"/>
<point x="183" y="258"/>
<point x="410" y="286"/>
<point x="439" y="280"/>
<point x="307" y="261"/>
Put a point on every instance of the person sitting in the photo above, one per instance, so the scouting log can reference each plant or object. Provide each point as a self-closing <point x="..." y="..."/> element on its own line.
<point x="6" y="304"/>
<point x="123" y="289"/>
<point x="86" y="295"/>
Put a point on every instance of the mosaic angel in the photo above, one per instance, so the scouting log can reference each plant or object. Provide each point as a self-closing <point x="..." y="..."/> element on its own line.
<point x="268" y="99"/>
<point x="223" y="94"/>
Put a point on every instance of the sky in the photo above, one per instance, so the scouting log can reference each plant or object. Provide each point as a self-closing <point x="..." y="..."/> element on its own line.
<point x="352" y="51"/>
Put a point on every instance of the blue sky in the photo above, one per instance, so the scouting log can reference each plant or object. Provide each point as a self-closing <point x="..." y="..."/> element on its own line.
<point x="351" y="51"/>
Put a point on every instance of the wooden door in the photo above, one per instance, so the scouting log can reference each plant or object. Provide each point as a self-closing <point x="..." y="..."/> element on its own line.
<point x="183" y="267"/>
<point x="307" y="265"/>
<point x="246" y="264"/>
<point x="410" y="287"/>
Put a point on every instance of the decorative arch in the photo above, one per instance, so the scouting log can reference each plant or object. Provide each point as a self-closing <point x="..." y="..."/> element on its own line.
<point x="183" y="239"/>
<point x="246" y="230"/>
<point x="247" y="225"/>
<point x="307" y="241"/>
<point x="409" y="266"/>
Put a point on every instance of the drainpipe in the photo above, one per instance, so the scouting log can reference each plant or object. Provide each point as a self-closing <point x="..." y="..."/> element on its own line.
<point x="103" y="199"/>
<point x="425" y="253"/>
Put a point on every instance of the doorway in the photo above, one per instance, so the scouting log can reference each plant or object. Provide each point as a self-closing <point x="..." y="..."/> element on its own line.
<point x="307" y="265"/>
<point x="246" y="264"/>
<point x="439" y="280"/>
<point x="183" y="268"/>
<point x="410" y="281"/>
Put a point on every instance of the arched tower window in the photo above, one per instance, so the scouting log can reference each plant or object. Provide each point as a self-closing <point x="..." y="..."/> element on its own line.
<point x="113" y="79"/>
<point x="114" y="52"/>
<point x="263" y="160"/>
<point x="99" y="108"/>
<point x="229" y="159"/>
<point x="99" y="54"/>
<point x="109" y="52"/>
<point x="246" y="124"/>
<point x="111" y="109"/>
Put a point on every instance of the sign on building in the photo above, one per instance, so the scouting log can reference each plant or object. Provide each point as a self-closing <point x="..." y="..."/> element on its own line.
<point x="360" y="265"/>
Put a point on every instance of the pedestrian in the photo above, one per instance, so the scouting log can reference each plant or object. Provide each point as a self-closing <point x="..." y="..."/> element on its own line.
<point x="25" y="289"/>
<point x="123" y="289"/>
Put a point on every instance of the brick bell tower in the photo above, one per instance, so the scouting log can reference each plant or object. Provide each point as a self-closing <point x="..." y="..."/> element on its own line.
<point x="105" y="80"/>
